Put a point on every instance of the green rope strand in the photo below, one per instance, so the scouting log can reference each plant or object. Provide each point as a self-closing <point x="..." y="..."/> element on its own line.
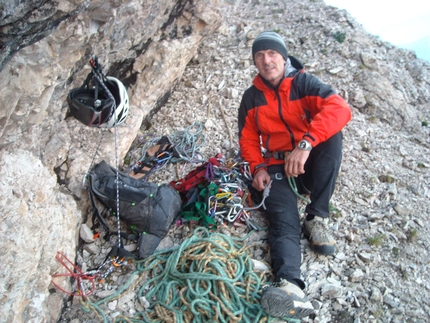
<point x="293" y="186"/>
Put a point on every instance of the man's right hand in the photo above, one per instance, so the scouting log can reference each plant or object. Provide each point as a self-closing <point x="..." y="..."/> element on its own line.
<point x="261" y="180"/>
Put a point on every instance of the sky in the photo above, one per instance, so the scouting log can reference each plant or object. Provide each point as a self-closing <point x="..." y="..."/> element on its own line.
<point x="405" y="24"/>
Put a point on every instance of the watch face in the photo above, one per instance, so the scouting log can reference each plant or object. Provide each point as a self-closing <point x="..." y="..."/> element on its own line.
<point x="304" y="145"/>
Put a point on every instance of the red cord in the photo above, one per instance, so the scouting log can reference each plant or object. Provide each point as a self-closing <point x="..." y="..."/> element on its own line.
<point x="75" y="272"/>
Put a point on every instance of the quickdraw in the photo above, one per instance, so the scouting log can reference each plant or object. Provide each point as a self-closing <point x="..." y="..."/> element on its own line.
<point x="220" y="195"/>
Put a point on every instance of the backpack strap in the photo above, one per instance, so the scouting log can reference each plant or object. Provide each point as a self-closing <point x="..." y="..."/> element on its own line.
<point x="97" y="214"/>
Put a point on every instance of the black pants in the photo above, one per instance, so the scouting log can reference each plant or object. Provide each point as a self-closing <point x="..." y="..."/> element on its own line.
<point x="321" y="170"/>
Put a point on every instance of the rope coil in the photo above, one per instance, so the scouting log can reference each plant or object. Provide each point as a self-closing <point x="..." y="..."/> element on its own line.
<point x="208" y="278"/>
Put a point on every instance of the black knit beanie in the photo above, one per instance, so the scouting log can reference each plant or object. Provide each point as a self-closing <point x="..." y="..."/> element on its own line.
<point x="269" y="40"/>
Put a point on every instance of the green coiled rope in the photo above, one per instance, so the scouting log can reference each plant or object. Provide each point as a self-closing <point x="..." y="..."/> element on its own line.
<point x="208" y="278"/>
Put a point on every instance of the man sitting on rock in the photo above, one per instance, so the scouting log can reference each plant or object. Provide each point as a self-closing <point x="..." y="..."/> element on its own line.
<point x="290" y="130"/>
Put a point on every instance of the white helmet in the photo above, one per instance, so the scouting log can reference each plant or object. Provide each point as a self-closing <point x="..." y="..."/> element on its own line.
<point x="119" y="92"/>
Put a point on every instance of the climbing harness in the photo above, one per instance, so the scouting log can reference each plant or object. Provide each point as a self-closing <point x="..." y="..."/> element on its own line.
<point x="182" y="145"/>
<point x="157" y="152"/>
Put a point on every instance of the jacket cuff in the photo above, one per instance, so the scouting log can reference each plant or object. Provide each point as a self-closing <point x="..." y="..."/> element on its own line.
<point x="308" y="137"/>
<point x="258" y="168"/>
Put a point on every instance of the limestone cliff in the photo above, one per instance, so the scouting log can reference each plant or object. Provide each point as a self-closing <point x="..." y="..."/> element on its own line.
<point x="45" y="50"/>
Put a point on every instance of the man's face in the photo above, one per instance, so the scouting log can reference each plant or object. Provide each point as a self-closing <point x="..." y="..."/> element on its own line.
<point x="271" y="65"/>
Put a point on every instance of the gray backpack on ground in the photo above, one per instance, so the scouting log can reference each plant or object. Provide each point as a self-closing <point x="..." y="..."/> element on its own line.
<point x="148" y="208"/>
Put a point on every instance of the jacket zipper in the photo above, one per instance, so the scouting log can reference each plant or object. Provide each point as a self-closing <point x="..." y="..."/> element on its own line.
<point x="293" y="144"/>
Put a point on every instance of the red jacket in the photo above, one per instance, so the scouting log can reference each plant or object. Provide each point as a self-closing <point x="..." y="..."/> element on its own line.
<point x="301" y="107"/>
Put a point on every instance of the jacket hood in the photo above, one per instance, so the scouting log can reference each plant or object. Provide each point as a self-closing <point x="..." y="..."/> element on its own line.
<point x="292" y="66"/>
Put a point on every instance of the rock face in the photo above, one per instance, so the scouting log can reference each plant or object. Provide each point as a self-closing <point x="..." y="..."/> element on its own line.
<point x="24" y="23"/>
<point x="45" y="50"/>
<point x="190" y="60"/>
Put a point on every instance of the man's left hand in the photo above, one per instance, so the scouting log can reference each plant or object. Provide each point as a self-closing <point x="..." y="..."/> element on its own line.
<point x="295" y="162"/>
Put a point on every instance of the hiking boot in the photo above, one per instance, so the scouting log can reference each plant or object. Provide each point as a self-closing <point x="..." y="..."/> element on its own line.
<point x="318" y="233"/>
<point x="286" y="300"/>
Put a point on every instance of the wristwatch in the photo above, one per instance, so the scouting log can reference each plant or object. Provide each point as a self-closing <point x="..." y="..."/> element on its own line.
<point x="304" y="145"/>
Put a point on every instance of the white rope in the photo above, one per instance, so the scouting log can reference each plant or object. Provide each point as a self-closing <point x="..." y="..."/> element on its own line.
<point x="113" y="114"/>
